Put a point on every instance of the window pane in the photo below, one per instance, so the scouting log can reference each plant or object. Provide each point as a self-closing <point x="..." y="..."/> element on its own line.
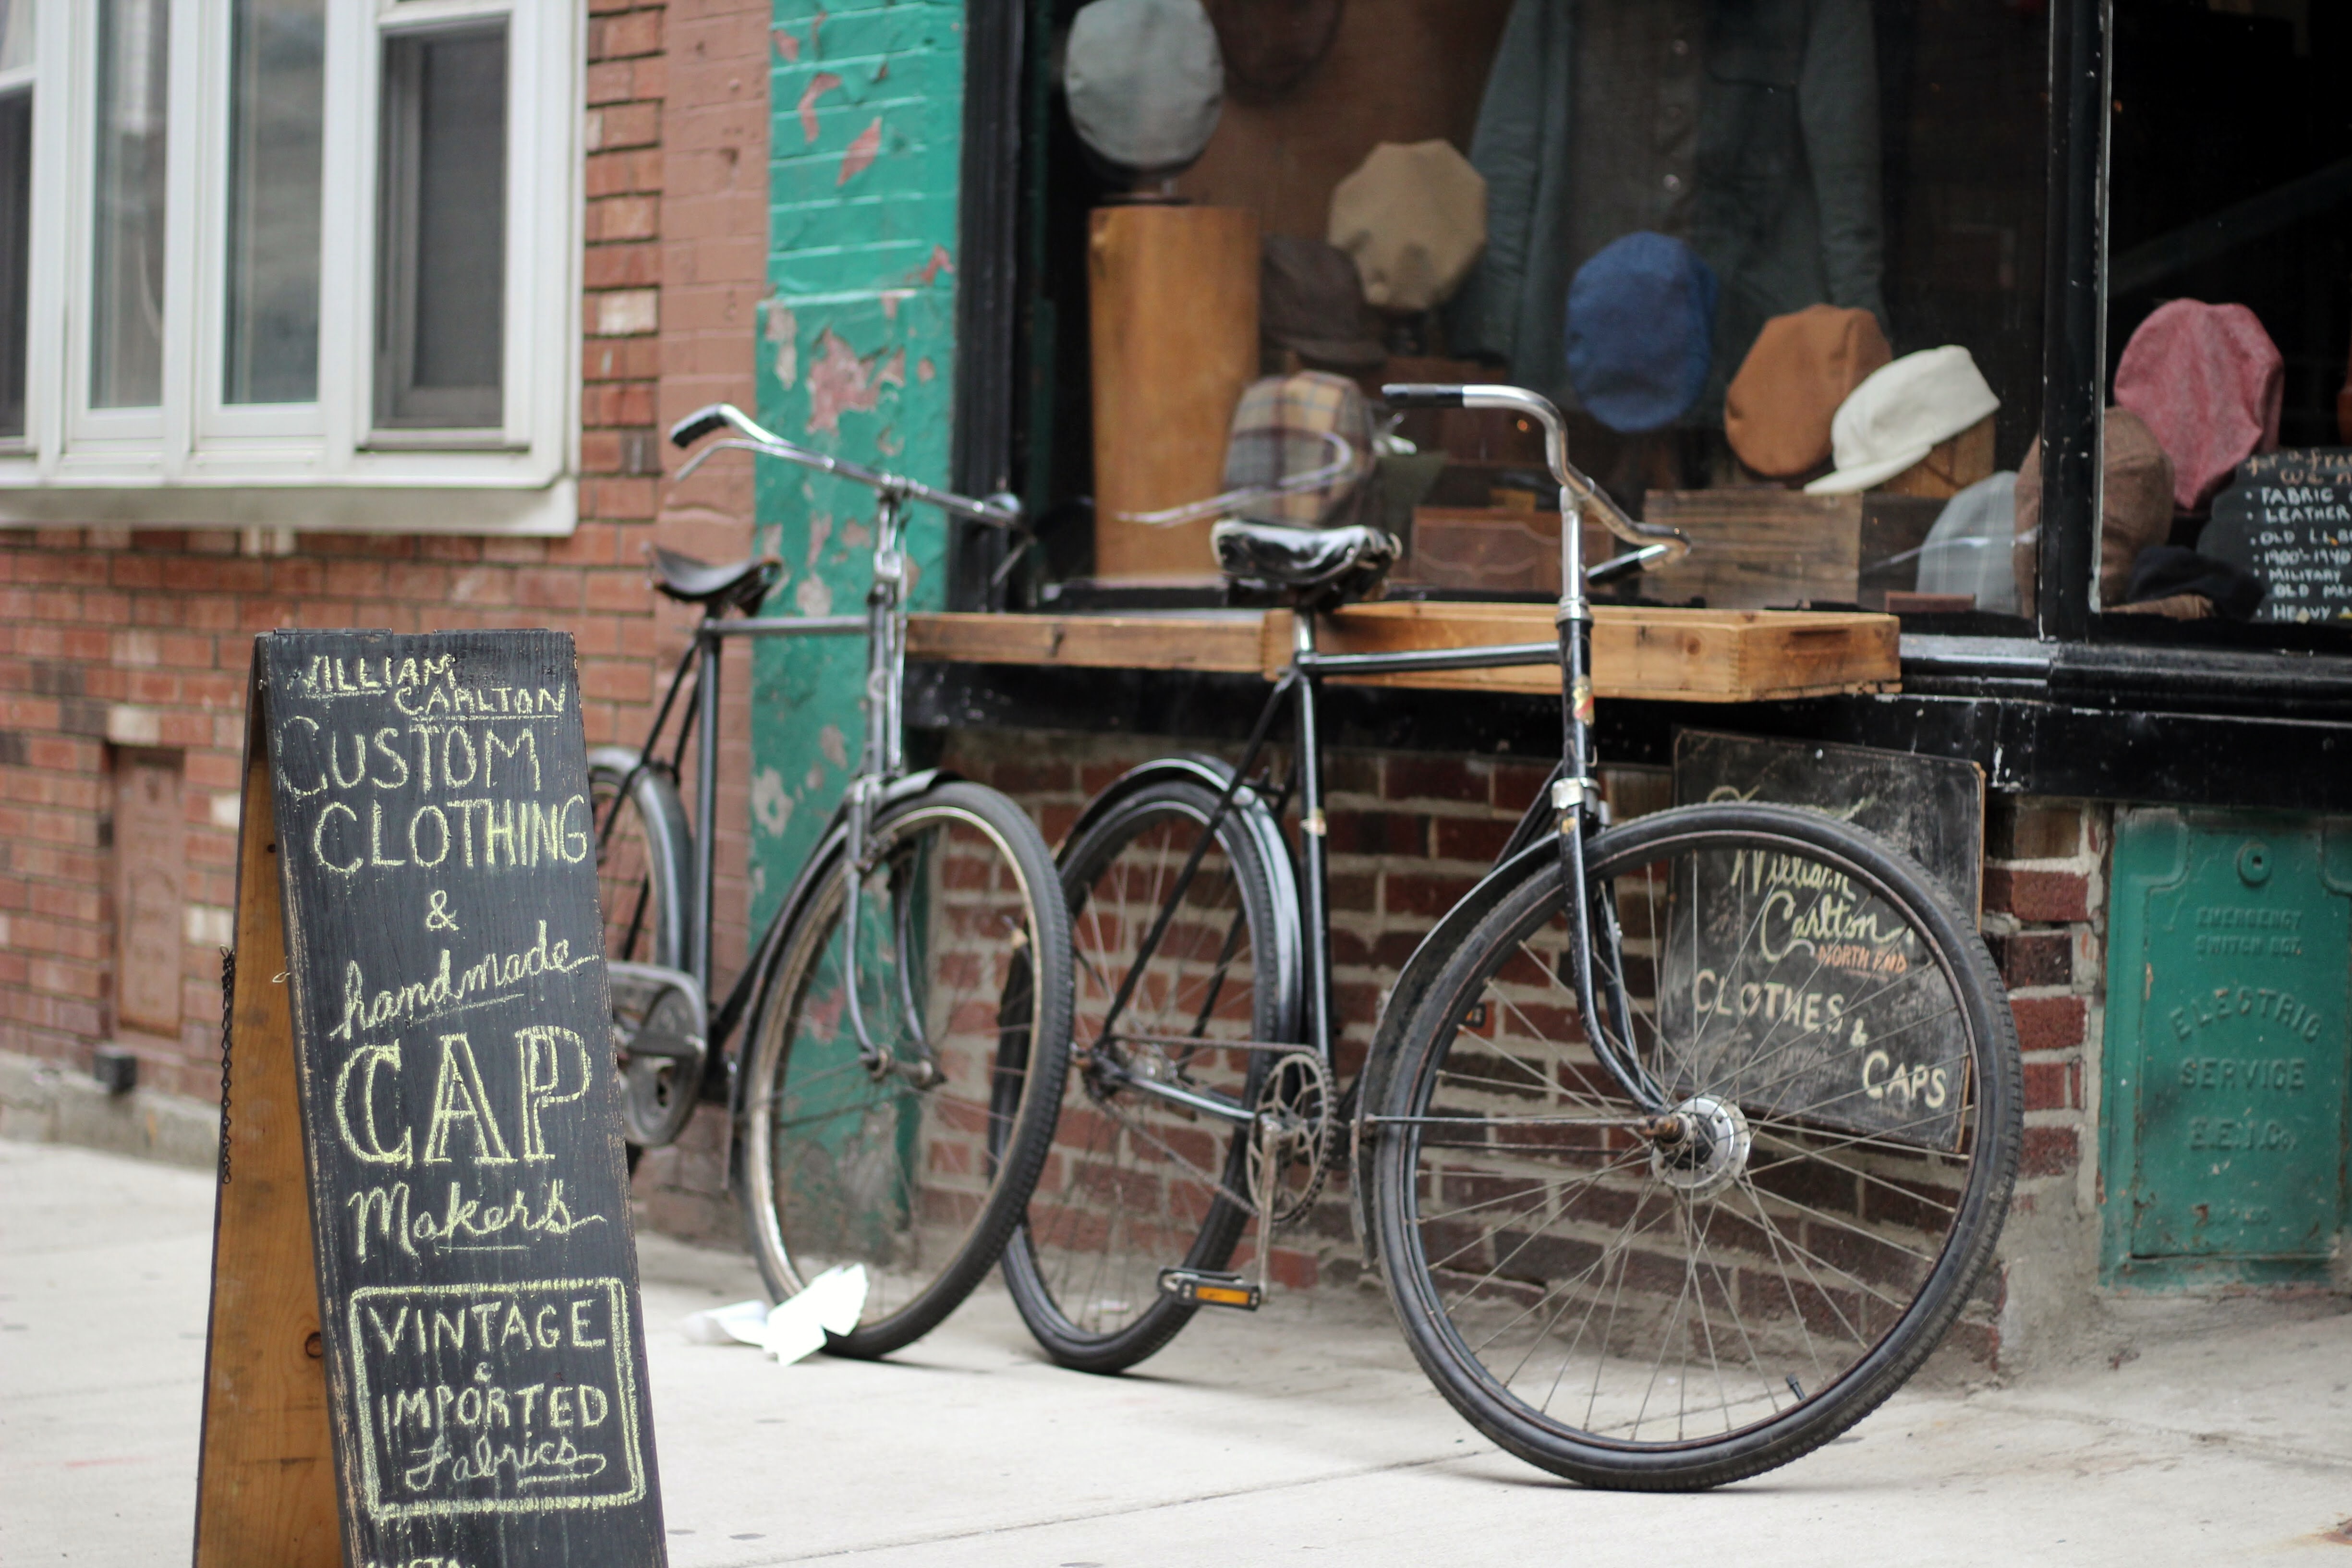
<point x="2229" y="313"/>
<point x="277" y="87"/>
<point x="15" y="193"/>
<point x="126" y="348"/>
<point x="15" y="33"/>
<point x="441" y="315"/>
<point x="1746" y="245"/>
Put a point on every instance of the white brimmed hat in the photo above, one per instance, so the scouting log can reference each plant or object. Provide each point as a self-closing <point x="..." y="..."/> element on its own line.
<point x="1901" y="412"/>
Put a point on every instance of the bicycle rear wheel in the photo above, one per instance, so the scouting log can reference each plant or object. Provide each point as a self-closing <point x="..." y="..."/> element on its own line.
<point x="913" y="1161"/>
<point x="1678" y="1290"/>
<point x="1137" y="1184"/>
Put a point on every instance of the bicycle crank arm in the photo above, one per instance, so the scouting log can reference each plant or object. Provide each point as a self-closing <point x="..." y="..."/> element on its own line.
<point x="1198" y="1042"/>
<point x="1222" y="1109"/>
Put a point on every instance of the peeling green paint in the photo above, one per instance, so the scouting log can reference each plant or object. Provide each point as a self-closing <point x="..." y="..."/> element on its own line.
<point x="855" y="352"/>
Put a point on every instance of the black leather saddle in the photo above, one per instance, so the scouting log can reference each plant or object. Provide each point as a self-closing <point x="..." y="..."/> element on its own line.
<point x="691" y="582"/>
<point x="1308" y="568"/>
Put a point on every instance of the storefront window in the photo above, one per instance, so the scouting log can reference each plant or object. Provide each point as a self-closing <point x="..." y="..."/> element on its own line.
<point x="1779" y="260"/>
<point x="2230" y="312"/>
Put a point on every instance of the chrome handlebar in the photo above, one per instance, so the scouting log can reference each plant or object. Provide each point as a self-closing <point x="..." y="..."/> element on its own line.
<point x="1577" y="491"/>
<point x="1000" y="510"/>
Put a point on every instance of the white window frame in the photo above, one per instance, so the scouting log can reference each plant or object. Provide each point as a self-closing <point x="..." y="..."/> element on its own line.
<point x="199" y="461"/>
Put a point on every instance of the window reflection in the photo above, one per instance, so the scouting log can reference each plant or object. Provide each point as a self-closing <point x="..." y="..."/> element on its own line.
<point x="126" y="355"/>
<point x="2230" y="302"/>
<point x="277" y="106"/>
<point x="441" y="311"/>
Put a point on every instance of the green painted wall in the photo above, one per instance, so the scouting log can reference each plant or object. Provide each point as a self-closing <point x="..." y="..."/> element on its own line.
<point x="855" y="357"/>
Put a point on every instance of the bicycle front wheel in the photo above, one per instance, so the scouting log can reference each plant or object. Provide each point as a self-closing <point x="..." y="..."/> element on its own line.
<point x="904" y="1068"/>
<point x="1708" y="1274"/>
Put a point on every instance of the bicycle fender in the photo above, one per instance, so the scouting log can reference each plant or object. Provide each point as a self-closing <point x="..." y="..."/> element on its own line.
<point x="664" y="817"/>
<point x="1412" y="982"/>
<point x="832" y="842"/>
<point x="1257" y="820"/>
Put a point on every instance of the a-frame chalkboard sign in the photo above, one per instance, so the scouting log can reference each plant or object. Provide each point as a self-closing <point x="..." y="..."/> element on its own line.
<point x="426" y="1346"/>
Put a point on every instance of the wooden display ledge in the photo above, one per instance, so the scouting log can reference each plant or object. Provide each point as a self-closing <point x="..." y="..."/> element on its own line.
<point x="1676" y="655"/>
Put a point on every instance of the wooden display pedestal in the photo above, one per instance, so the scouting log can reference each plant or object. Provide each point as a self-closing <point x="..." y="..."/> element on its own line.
<point x="1172" y="294"/>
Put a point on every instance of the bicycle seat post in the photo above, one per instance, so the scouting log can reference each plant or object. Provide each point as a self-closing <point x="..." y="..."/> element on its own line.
<point x="706" y="795"/>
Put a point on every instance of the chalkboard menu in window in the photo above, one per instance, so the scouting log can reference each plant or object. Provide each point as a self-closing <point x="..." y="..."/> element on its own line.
<point x="2287" y="518"/>
<point x="420" y="1009"/>
<point x="1803" y="971"/>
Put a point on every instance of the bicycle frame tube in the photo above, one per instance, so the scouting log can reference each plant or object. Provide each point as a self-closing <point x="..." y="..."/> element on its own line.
<point x="709" y="639"/>
<point x="1315" y="890"/>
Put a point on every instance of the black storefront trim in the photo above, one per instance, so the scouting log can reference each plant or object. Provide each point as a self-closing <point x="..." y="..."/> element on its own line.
<point x="987" y="291"/>
<point x="2074" y="315"/>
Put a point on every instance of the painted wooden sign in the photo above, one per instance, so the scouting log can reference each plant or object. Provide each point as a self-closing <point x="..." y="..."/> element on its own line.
<point x="1801" y="970"/>
<point x="420" y="1010"/>
<point x="2287" y="518"/>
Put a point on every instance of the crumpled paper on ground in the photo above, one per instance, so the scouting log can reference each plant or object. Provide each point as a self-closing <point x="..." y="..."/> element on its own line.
<point x="792" y="1329"/>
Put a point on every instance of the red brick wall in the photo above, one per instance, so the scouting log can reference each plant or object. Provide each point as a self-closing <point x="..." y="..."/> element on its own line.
<point x="2046" y="920"/>
<point x="114" y="638"/>
<point x="713" y="254"/>
<point x="1410" y="833"/>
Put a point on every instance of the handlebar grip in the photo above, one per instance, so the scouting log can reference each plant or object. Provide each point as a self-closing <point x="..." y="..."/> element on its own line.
<point x="1421" y="394"/>
<point x="695" y="426"/>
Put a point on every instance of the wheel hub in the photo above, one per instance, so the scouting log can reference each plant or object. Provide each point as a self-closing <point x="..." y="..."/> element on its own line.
<point x="1700" y="1147"/>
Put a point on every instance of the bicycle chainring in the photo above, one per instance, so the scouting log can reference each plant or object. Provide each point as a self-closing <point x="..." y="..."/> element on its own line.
<point x="1298" y="1117"/>
<point x="661" y="1077"/>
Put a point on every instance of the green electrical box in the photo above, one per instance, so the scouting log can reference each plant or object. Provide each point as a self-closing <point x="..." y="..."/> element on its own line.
<point x="2229" y="954"/>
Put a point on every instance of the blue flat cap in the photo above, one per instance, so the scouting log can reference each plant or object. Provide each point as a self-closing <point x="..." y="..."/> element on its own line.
<point x="1641" y="328"/>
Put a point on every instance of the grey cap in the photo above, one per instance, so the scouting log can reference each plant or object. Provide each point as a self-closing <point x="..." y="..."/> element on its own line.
<point x="1145" y="82"/>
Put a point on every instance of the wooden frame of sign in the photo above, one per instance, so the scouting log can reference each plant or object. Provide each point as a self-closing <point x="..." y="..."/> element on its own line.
<point x="426" y="1342"/>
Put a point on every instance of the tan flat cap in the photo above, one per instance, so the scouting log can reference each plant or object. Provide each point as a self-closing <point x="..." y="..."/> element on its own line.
<point x="1777" y="409"/>
<point x="1414" y="217"/>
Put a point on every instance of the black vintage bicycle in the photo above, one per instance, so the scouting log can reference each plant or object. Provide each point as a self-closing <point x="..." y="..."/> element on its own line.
<point x="908" y="1005"/>
<point x="1679" y="1143"/>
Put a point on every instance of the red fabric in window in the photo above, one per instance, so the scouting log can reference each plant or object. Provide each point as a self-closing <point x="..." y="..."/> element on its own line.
<point x="2209" y="382"/>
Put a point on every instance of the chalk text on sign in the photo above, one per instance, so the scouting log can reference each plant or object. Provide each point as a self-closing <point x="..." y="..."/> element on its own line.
<point x="495" y="1398"/>
<point x="554" y="1067"/>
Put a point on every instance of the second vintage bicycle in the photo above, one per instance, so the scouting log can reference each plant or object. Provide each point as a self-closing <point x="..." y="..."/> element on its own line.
<point x="906" y="1011"/>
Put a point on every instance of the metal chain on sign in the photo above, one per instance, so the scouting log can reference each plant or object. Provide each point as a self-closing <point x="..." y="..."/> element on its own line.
<point x="228" y="1011"/>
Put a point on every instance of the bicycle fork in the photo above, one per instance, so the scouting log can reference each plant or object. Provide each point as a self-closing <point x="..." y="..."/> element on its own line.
<point x="883" y="762"/>
<point x="1576" y="803"/>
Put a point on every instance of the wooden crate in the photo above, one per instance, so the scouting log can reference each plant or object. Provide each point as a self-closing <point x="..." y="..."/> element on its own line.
<point x="1763" y="546"/>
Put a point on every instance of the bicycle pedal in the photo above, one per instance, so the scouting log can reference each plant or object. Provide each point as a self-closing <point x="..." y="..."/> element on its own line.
<point x="1206" y="1287"/>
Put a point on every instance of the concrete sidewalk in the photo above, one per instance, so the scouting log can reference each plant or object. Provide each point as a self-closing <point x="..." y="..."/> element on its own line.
<point x="1303" y="1434"/>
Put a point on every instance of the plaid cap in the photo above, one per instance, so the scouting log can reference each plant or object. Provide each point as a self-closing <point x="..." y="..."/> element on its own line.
<point x="1278" y="431"/>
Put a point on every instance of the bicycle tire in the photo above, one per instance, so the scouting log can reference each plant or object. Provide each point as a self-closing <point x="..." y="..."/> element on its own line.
<point x="1812" y="1208"/>
<point x="844" y="1163"/>
<point x="1136" y="1187"/>
<point x="645" y="864"/>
